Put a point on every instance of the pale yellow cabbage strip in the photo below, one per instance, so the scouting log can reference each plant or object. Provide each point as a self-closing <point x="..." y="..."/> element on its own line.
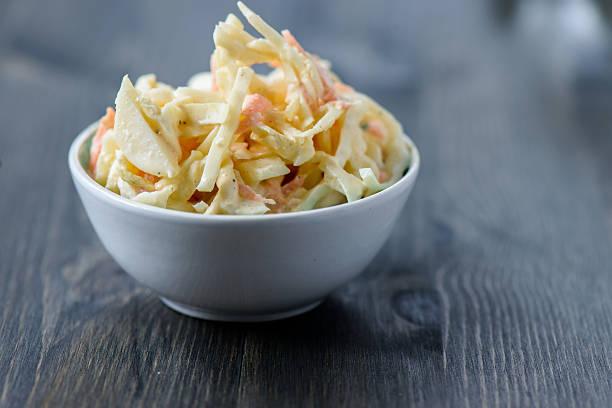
<point x="143" y="146"/>
<point x="370" y="181"/>
<point x="228" y="200"/>
<point x="207" y="113"/>
<point x="224" y="137"/>
<point x="188" y="178"/>
<point x="254" y="171"/>
<point x="350" y="130"/>
<point x="339" y="179"/>
<point x="158" y="198"/>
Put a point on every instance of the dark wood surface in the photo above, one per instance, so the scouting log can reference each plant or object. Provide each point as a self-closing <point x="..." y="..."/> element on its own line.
<point x="494" y="290"/>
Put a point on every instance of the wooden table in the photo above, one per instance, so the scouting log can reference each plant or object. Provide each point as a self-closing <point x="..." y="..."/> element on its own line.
<point x="494" y="290"/>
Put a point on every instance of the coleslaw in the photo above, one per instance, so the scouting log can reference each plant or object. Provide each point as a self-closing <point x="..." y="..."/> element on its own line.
<point x="237" y="142"/>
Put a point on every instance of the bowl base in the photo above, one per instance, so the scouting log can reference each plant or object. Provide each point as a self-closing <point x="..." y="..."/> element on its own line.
<point x="221" y="316"/>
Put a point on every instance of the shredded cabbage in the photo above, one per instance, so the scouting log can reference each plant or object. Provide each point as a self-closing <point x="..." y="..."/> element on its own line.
<point x="236" y="142"/>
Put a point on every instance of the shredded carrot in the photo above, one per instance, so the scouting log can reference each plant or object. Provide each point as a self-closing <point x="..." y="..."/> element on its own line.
<point x="376" y="128"/>
<point x="147" y="176"/>
<point x="292" y="41"/>
<point x="234" y="147"/>
<point x="240" y="151"/>
<point x="293" y="185"/>
<point x="383" y="176"/>
<point x="340" y="104"/>
<point x="250" y="194"/>
<point x="254" y="108"/>
<point x="106" y="123"/>
<point x="255" y="103"/>
<point x="150" y="178"/>
<point x="329" y="94"/>
<point x="272" y="189"/>
<point x="340" y="87"/>
<point x="258" y="148"/>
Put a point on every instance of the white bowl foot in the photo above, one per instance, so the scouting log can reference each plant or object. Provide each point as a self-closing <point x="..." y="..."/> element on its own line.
<point x="209" y="314"/>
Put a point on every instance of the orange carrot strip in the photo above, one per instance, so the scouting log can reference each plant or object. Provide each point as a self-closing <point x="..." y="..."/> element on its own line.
<point x="329" y="94"/>
<point x="106" y="123"/>
<point x="147" y="176"/>
<point x="340" y="87"/>
<point x="234" y="147"/>
<point x="255" y="103"/>
<point x="376" y="129"/>
<point x="292" y="41"/>
<point x="383" y="176"/>
<point x="250" y="194"/>
<point x="293" y="185"/>
<point x="254" y="108"/>
<point x="150" y="178"/>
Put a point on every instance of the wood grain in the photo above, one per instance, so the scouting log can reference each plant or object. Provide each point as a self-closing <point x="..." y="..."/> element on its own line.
<point x="494" y="290"/>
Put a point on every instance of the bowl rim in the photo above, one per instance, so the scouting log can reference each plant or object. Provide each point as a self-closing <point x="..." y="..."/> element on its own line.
<point x="80" y="176"/>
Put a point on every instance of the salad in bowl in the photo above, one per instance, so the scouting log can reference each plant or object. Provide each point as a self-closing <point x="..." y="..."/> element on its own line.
<point x="244" y="197"/>
<point x="236" y="142"/>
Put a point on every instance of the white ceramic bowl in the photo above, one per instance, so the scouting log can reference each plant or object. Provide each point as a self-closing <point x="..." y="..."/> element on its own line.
<point x="239" y="268"/>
